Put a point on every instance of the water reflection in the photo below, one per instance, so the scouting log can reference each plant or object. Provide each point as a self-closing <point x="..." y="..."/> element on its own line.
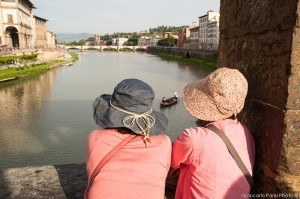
<point x="46" y="120"/>
<point x="20" y="108"/>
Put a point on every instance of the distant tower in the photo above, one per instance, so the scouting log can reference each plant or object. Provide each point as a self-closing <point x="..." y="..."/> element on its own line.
<point x="194" y="24"/>
<point x="97" y="38"/>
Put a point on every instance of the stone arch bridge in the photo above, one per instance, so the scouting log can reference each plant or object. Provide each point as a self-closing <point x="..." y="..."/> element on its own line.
<point x="101" y="48"/>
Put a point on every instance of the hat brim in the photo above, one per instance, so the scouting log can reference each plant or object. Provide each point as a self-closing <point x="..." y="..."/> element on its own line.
<point x="199" y="104"/>
<point x="108" y="117"/>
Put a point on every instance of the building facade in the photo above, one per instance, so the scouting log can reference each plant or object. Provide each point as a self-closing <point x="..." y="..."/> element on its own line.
<point x="169" y="34"/>
<point x="194" y="37"/>
<point x="204" y="22"/>
<point x="20" y="29"/>
<point x="148" y="41"/>
<point x="186" y="36"/>
<point x="180" y="38"/>
<point x="120" y="41"/>
<point x="17" y="23"/>
<point x="51" y="39"/>
<point x="142" y="41"/>
<point x="213" y="35"/>
<point x="153" y="41"/>
<point x="41" y="32"/>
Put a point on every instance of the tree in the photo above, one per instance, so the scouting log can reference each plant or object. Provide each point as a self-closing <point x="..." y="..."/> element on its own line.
<point x="133" y="41"/>
<point x="169" y="42"/>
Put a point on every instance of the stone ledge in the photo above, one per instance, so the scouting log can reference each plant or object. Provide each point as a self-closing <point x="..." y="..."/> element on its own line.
<point x="66" y="181"/>
<point x="59" y="182"/>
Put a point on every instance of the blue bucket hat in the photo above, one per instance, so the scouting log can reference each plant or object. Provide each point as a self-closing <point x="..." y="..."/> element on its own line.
<point x="130" y="106"/>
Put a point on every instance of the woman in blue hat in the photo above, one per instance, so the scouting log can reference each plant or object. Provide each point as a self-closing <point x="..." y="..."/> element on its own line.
<point x="129" y="157"/>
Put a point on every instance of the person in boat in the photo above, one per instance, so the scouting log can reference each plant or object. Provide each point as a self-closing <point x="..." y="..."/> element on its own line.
<point x="175" y="95"/>
<point x="140" y="167"/>
<point x="163" y="99"/>
<point x="207" y="169"/>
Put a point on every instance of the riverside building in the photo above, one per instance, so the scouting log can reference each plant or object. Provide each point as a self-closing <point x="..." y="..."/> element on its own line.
<point x="16" y="23"/>
<point x="19" y="29"/>
<point x="209" y="30"/>
<point x="194" y="37"/>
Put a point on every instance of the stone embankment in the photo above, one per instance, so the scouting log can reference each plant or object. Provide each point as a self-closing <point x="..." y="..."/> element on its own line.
<point x="185" y="52"/>
<point x="50" y="55"/>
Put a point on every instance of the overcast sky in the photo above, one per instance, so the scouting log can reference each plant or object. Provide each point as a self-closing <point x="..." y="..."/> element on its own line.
<point x="109" y="16"/>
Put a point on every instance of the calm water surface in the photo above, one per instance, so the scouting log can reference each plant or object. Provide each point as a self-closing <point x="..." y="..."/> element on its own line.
<point x="47" y="120"/>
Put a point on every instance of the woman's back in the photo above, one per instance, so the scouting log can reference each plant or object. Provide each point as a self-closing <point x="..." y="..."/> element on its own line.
<point x="210" y="171"/>
<point x="133" y="172"/>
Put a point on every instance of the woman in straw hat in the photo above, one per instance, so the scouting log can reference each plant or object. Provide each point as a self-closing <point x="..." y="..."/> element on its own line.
<point x="129" y="157"/>
<point x="207" y="169"/>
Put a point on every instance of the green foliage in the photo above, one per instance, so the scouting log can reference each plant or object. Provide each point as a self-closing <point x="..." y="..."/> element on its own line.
<point x="202" y="62"/>
<point x="29" y="57"/>
<point x="170" y="42"/>
<point x="162" y="29"/>
<point x="74" y="56"/>
<point x="133" y="41"/>
<point x="24" y="71"/>
<point x="109" y="42"/>
<point x="11" y="59"/>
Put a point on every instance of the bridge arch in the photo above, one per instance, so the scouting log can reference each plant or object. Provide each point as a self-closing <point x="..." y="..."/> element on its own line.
<point x="187" y="55"/>
<point x="100" y="48"/>
<point x="109" y="48"/>
<point x="126" y="48"/>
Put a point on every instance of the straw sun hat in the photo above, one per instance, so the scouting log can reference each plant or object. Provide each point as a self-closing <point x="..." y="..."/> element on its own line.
<point x="218" y="96"/>
<point x="130" y="106"/>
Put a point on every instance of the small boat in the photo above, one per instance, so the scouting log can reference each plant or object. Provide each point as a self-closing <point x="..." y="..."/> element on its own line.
<point x="168" y="102"/>
<point x="9" y="79"/>
<point x="68" y="64"/>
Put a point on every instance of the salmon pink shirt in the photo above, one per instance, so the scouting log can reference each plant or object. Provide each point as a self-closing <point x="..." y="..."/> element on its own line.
<point x="134" y="172"/>
<point x="207" y="170"/>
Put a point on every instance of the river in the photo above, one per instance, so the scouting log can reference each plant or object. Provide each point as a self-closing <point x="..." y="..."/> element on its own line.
<point x="46" y="120"/>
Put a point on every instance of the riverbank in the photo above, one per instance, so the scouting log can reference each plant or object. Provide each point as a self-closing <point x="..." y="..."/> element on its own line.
<point x="59" y="182"/>
<point x="32" y="67"/>
<point x="206" y="58"/>
<point x="206" y="63"/>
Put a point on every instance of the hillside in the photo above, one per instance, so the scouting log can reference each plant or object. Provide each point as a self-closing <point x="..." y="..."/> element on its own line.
<point x="68" y="37"/>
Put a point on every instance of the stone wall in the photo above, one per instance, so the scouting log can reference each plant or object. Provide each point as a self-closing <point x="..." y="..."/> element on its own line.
<point x="261" y="38"/>
<point x="47" y="55"/>
<point x="185" y="52"/>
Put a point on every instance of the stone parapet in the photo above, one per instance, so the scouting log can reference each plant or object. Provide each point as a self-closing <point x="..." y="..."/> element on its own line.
<point x="57" y="182"/>
<point x="52" y="182"/>
<point x="261" y="39"/>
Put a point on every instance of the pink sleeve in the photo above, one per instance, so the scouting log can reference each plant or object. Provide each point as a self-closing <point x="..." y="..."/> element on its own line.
<point x="182" y="150"/>
<point x="90" y="145"/>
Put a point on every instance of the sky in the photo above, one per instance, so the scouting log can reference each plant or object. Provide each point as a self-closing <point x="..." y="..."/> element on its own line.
<point x="109" y="16"/>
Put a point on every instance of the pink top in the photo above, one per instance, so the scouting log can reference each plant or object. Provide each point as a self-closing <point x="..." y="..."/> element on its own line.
<point x="133" y="172"/>
<point x="207" y="170"/>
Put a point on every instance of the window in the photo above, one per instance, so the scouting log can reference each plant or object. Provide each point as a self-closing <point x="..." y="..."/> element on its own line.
<point x="10" y="19"/>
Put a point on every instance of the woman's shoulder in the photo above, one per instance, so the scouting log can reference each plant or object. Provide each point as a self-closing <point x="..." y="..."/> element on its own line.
<point x="193" y="131"/>
<point x="161" y="138"/>
<point x="103" y="133"/>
